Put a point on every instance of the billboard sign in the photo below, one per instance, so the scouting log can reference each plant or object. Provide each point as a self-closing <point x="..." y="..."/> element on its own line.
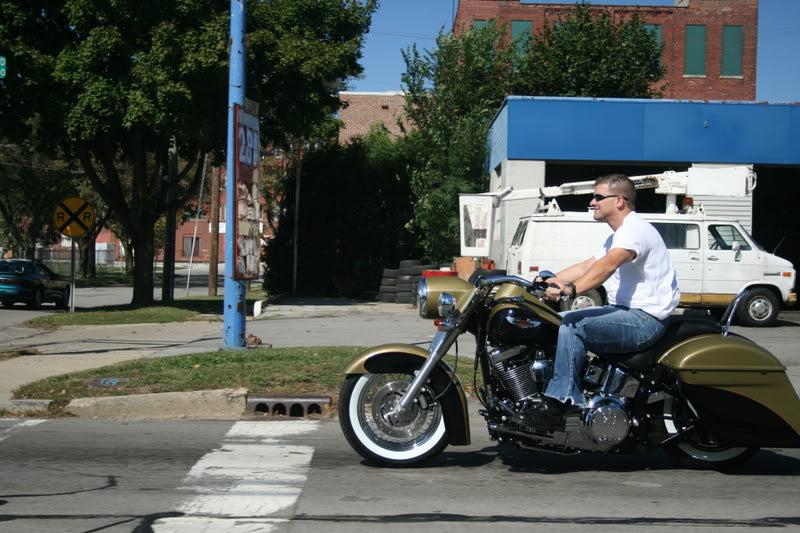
<point x="247" y="147"/>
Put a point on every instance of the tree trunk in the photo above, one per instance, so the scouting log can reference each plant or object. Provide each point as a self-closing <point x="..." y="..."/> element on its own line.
<point x="88" y="267"/>
<point x="143" y="254"/>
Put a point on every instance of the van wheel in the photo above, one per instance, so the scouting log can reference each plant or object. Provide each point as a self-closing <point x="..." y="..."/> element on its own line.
<point x="590" y="298"/>
<point x="759" y="308"/>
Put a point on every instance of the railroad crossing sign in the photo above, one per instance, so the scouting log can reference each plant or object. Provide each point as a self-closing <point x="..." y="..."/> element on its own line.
<point x="73" y="217"/>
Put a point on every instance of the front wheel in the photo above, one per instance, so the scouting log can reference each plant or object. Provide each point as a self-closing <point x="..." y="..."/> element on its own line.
<point x="411" y="438"/>
<point x="759" y="308"/>
<point x="694" y="449"/>
<point x="590" y="298"/>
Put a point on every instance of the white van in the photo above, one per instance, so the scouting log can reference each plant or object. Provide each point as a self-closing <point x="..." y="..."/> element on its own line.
<point x="715" y="259"/>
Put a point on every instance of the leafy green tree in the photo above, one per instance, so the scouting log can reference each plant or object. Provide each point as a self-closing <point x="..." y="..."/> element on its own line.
<point x="356" y="201"/>
<point x="31" y="189"/>
<point x="586" y="53"/>
<point x="453" y="91"/>
<point x="108" y="83"/>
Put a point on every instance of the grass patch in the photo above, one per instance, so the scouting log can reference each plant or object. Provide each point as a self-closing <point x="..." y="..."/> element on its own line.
<point x="105" y="278"/>
<point x="304" y="370"/>
<point x="11" y="353"/>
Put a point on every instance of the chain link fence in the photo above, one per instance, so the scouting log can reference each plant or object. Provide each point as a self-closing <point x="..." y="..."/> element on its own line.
<point x="57" y="259"/>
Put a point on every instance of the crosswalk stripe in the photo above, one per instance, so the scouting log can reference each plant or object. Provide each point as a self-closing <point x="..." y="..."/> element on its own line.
<point x="22" y="424"/>
<point x="253" y="474"/>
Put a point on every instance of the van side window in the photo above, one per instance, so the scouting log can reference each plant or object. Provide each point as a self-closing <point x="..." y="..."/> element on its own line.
<point x="722" y="237"/>
<point x="679" y="236"/>
<point x="519" y="235"/>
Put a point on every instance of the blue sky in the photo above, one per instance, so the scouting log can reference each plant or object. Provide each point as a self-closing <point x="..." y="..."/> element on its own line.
<point x="400" y="23"/>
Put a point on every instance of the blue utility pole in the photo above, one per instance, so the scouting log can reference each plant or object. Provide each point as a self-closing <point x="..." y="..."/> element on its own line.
<point x="234" y="315"/>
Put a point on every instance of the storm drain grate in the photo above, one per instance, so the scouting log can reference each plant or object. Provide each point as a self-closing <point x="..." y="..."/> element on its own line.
<point x="298" y="405"/>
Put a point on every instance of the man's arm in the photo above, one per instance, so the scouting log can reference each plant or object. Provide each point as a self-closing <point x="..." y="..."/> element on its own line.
<point x="591" y="273"/>
<point x="603" y="268"/>
<point x="570" y="274"/>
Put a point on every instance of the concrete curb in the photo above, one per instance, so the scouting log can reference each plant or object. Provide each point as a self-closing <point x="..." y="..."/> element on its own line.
<point x="220" y="404"/>
<point x="25" y="406"/>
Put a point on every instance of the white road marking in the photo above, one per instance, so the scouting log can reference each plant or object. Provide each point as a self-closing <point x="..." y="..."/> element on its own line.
<point x="252" y="475"/>
<point x="6" y="432"/>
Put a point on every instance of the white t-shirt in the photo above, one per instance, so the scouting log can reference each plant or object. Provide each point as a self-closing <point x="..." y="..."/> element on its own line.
<point x="649" y="282"/>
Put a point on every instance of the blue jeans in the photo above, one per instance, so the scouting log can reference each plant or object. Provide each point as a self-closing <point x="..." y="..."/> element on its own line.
<point x="599" y="329"/>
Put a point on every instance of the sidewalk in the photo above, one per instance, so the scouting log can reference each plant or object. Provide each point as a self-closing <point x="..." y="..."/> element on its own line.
<point x="294" y="322"/>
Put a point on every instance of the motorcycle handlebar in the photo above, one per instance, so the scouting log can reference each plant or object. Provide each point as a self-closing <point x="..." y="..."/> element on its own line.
<point x="530" y="286"/>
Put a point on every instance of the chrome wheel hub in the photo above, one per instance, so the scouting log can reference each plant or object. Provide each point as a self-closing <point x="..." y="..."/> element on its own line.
<point x="760" y="308"/>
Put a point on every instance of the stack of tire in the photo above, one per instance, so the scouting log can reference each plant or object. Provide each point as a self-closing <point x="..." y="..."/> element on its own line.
<point x="400" y="285"/>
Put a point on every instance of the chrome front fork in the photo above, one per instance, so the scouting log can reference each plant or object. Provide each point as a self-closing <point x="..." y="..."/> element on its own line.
<point x="442" y="342"/>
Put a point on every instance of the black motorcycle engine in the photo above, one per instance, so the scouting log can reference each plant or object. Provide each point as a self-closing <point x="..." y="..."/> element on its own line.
<point x="524" y="371"/>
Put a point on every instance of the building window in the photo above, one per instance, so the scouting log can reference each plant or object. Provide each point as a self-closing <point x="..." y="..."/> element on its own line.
<point x="187" y="246"/>
<point x="479" y="24"/>
<point x="695" y="53"/>
<point x="655" y="29"/>
<point x="520" y="32"/>
<point x="732" y="46"/>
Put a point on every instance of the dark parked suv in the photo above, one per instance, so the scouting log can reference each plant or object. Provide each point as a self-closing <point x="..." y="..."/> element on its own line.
<point x="32" y="283"/>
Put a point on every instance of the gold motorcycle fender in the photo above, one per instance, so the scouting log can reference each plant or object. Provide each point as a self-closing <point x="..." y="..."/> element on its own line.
<point x="389" y="358"/>
<point x="739" y="384"/>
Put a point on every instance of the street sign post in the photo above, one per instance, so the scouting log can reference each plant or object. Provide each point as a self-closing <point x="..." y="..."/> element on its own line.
<point x="73" y="217"/>
<point x="2" y="67"/>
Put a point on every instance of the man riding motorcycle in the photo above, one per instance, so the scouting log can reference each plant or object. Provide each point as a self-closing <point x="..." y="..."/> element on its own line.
<point x="642" y="291"/>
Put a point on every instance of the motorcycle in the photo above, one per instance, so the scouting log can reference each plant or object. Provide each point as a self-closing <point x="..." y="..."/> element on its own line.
<point x="707" y="396"/>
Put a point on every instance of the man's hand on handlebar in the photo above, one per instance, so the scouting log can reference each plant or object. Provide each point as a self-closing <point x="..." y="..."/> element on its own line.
<point x="555" y="290"/>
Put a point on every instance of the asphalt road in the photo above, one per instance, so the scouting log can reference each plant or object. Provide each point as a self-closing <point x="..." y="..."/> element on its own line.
<point x="287" y="477"/>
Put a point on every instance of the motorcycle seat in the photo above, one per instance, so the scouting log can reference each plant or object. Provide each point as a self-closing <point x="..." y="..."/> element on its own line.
<point x="679" y="329"/>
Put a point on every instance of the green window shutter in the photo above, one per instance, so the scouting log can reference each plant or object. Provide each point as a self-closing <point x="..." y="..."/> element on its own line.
<point x="695" y="53"/>
<point x="478" y="24"/>
<point x="520" y="32"/>
<point x="732" y="47"/>
<point x="655" y="29"/>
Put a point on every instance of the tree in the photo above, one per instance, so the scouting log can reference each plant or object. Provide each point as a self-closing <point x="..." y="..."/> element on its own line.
<point x="108" y="83"/>
<point x="357" y="201"/>
<point x="453" y="92"/>
<point x="32" y="188"/>
<point x="586" y="53"/>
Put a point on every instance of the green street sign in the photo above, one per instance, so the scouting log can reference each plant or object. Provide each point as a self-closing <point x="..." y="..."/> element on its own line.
<point x="2" y="67"/>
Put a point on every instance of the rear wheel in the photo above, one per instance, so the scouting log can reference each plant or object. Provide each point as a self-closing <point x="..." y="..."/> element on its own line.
<point x="695" y="449"/>
<point x="36" y="301"/>
<point x="412" y="437"/>
<point x="63" y="303"/>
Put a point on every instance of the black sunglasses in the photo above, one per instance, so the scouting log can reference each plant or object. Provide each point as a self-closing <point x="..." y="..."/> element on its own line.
<point x="599" y="197"/>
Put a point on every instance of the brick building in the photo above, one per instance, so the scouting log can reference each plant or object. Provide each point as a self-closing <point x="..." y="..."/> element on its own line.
<point x="709" y="45"/>
<point x="363" y="109"/>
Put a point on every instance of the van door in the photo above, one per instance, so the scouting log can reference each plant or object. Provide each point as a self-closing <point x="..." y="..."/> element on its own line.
<point x="731" y="261"/>
<point x="514" y="257"/>
<point x="683" y="242"/>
